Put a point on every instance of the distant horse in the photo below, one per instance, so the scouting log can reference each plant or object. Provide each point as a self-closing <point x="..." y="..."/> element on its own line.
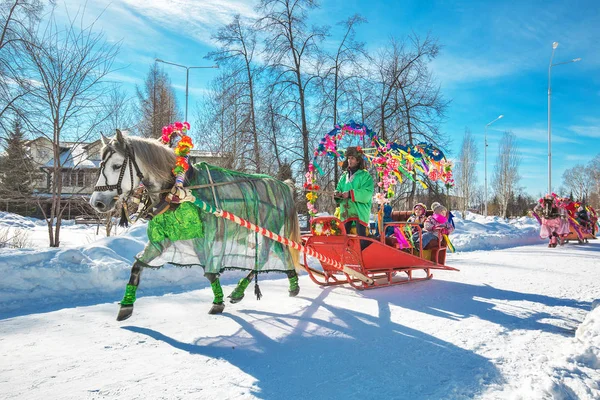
<point x="187" y="236"/>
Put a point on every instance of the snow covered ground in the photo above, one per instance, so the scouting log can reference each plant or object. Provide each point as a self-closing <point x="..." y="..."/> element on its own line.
<point x="515" y="323"/>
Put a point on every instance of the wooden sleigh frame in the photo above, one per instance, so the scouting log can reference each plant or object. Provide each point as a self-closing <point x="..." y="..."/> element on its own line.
<point x="381" y="260"/>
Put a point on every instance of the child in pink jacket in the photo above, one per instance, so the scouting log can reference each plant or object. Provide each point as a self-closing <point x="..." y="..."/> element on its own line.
<point x="435" y="225"/>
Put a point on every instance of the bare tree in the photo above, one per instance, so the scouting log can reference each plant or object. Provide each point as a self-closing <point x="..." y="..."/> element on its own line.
<point x="579" y="180"/>
<point x="157" y="104"/>
<point x="594" y="167"/>
<point x="221" y="119"/>
<point x="119" y="111"/>
<point x="272" y="123"/>
<point x="288" y="46"/>
<point x="361" y="97"/>
<point x="404" y="84"/>
<point x="465" y="173"/>
<point x="70" y="65"/>
<point x="17" y="19"/>
<point x="339" y="70"/>
<point x="422" y="105"/>
<point x="238" y="45"/>
<point x="506" y="173"/>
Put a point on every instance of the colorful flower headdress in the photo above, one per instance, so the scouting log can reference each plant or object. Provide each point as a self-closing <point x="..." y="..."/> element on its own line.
<point x="182" y="149"/>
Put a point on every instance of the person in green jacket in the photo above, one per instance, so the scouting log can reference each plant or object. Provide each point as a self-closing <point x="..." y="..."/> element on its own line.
<point x="354" y="191"/>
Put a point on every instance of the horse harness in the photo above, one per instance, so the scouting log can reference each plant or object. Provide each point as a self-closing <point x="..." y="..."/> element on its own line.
<point x="129" y="160"/>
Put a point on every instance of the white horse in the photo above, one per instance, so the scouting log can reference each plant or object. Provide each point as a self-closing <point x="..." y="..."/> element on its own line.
<point x="214" y="243"/>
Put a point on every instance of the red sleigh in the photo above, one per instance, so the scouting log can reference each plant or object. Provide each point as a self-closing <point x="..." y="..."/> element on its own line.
<point x="382" y="260"/>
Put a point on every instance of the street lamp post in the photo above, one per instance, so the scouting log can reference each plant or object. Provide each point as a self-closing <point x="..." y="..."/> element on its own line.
<point x="187" y="78"/>
<point x="554" y="46"/>
<point x="485" y="201"/>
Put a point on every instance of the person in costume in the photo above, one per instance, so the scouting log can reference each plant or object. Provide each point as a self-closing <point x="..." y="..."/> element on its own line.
<point x="583" y="218"/>
<point x="434" y="226"/>
<point x="354" y="191"/>
<point x="554" y="218"/>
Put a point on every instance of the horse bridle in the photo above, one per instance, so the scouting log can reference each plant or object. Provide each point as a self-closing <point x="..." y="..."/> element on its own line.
<point x="129" y="160"/>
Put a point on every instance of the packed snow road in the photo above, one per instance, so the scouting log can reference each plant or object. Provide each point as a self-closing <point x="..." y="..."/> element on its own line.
<point x="503" y="327"/>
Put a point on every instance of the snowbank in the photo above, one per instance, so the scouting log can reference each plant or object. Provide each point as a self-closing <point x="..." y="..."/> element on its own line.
<point x="476" y="232"/>
<point x="37" y="277"/>
<point x="571" y="374"/>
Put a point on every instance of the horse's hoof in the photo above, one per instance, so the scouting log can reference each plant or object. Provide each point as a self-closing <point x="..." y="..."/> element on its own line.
<point x="294" y="293"/>
<point x="234" y="300"/>
<point x="125" y="312"/>
<point x="217" y="308"/>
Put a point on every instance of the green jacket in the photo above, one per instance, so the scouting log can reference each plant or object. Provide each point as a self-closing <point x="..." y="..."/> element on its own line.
<point x="360" y="188"/>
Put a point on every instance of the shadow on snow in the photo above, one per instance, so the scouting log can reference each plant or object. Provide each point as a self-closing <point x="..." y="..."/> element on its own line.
<point x="357" y="355"/>
<point x="351" y="354"/>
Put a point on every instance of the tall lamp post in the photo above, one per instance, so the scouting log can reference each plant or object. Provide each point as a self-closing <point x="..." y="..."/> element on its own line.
<point x="485" y="201"/>
<point x="554" y="46"/>
<point x="187" y="78"/>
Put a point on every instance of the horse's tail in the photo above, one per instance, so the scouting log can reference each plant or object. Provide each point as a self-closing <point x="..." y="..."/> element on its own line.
<point x="293" y="227"/>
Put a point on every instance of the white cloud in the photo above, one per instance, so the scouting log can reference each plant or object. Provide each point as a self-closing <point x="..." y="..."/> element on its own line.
<point x="592" y="131"/>
<point x="451" y="69"/>
<point x="115" y="19"/>
<point x="573" y="157"/>
<point x="194" y="18"/>
<point x="196" y="91"/>
<point x="120" y="77"/>
<point x="541" y="135"/>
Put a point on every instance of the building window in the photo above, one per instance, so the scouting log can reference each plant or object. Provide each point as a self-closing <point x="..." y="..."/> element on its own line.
<point x="80" y="178"/>
<point x="92" y="178"/>
<point x="66" y="177"/>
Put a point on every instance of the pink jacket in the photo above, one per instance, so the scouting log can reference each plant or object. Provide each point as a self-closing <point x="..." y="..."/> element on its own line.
<point x="438" y="223"/>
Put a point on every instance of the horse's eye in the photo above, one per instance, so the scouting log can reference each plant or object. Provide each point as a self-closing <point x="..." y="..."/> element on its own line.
<point x="116" y="167"/>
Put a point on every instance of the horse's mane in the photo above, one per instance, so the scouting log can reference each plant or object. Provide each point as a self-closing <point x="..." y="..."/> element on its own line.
<point x="153" y="157"/>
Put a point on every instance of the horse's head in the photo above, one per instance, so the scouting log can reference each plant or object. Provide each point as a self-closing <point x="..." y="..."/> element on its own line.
<point x="119" y="173"/>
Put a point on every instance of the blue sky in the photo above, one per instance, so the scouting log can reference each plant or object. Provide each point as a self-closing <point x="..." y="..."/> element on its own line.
<point x="494" y="61"/>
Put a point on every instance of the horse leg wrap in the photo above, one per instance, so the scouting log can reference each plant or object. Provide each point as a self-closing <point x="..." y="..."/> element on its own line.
<point x="218" y="306"/>
<point x="126" y="309"/>
<point x="129" y="297"/>
<point x="238" y="293"/>
<point x="293" y="279"/>
<point x="217" y="291"/>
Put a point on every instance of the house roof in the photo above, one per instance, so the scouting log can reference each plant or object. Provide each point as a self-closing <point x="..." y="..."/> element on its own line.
<point x="36" y="139"/>
<point x="91" y="144"/>
<point x="75" y="157"/>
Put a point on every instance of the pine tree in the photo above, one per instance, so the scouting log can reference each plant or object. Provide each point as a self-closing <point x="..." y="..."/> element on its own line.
<point x="16" y="167"/>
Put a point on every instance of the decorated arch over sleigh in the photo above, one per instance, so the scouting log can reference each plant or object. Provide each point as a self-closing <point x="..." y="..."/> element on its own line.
<point x="392" y="161"/>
